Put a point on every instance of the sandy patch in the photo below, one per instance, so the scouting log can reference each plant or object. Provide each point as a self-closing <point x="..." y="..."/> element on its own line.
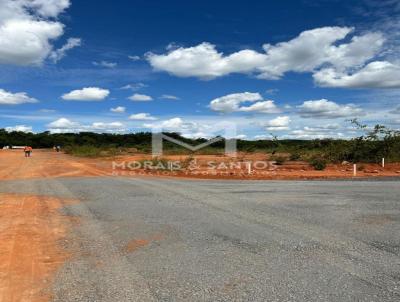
<point x="31" y="229"/>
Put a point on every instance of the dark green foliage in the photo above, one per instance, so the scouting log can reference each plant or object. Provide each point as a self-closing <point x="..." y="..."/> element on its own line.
<point x="84" y="151"/>
<point x="318" y="163"/>
<point x="371" y="146"/>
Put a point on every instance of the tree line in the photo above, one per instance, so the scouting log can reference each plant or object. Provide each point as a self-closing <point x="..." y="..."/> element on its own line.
<point x="371" y="146"/>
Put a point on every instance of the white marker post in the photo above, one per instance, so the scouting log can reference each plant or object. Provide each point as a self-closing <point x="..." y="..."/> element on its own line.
<point x="383" y="162"/>
<point x="355" y="170"/>
<point x="249" y="168"/>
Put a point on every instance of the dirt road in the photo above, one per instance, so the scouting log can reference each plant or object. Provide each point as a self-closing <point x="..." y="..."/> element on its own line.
<point x="65" y="236"/>
<point x="45" y="163"/>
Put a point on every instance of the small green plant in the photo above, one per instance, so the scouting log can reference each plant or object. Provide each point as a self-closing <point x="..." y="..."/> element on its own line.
<point x="318" y="163"/>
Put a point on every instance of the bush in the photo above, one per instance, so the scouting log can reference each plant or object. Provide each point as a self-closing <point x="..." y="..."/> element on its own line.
<point x="295" y="156"/>
<point x="318" y="163"/>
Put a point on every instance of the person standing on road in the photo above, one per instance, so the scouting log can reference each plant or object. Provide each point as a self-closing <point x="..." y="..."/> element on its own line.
<point x="26" y="151"/>
<point x="30" y="150"/>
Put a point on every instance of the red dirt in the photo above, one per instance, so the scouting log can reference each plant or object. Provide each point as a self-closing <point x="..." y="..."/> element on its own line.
<point x="50" y="164"/>
<point x="32" y="226"/>
<point x="30" y="230"/>
<point x="289" y="170"/>
<point x="44" y="164"/>
<point x="138" y="243"/>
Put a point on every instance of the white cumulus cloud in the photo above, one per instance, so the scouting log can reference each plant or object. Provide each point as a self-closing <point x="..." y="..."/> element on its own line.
<point x="28" y="29"/>
<point x="175" y="124"/>
<point x="142" y="117"/>
<point x="327" y="109"/>
<point x="118" y="109"/>
<point x="324" y="52"/>
<point x="86" y="94"/>
<point x="192" y="128"/>
<point x="308" y="51"/>
<point x="140" y="98"/>
<point x="19" y="128"/>
<point x="277" y="124"/>
<point x="313" y="48"/>
<point x="204" y="61"/>
<point x="234" y="103"/>
<point x="9" y="98"/>
<point x="318" y="131"/>
<point x="378" y="74"/>
<point x="64" y="125"/>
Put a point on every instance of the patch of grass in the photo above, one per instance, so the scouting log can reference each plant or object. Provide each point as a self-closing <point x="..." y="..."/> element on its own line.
<point x="83" y="151"/>
<point x="93" y="151"/>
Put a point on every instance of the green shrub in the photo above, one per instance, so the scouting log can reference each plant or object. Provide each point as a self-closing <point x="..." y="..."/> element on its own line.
<point x="318" y="163"/>
<point x="91" y="151"/>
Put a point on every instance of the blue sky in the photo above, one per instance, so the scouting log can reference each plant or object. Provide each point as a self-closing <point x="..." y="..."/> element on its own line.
<point x="296" y="69"/>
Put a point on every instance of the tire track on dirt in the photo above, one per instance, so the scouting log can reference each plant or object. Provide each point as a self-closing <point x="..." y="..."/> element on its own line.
<point x="100" y="270"/>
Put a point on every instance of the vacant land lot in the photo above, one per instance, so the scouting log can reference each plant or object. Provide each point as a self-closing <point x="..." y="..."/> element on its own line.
<point x="49" y="164"/>
<point x="70" y="232"/>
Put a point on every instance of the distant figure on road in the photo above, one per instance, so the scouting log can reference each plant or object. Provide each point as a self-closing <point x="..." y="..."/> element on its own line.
<point x="28" y="151"/>
<point x="58" y="148"/>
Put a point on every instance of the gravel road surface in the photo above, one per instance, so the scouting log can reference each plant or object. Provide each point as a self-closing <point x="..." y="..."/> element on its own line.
<point x="148" y="239"/>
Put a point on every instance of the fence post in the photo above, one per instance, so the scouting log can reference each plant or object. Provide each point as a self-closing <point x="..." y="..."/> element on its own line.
<point x="355" y="170"/>
<point x="249" y="168"/>
<point x="383" y="162"/>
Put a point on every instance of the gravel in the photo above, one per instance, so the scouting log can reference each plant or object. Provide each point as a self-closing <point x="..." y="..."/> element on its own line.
<point x="148" y="239"/>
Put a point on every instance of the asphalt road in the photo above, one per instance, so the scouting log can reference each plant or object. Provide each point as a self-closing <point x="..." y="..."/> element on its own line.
<point x="184" y="240"/>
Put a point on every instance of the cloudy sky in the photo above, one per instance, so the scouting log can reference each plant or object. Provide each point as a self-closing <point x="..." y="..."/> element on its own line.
<point x="294" y="69"/>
